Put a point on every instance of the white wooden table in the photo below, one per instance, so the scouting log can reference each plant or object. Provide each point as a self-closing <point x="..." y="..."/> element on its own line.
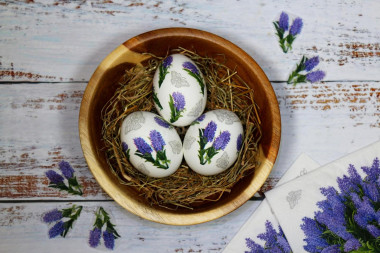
<point x="49" y="49"/>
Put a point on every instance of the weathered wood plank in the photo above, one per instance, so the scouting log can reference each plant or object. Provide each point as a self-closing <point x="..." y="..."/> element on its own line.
<point x="39" y="129"/>
<point x="21" y="229"/>
<point x="65" y="40"/>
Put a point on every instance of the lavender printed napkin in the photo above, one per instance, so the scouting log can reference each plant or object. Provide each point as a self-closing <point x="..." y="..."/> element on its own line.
<point x="263" y="218"/>
<point x="335" y="208"/>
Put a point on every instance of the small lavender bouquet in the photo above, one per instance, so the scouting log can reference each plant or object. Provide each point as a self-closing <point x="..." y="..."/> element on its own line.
<point x="206" y="136"/>
<point x="303" y="73"/>
<point x="282" y="26"/>
<point x="58" y="181"/>
<point x="274" y="241"/>
<point x="144" y="150"/>
<point x="109" y="234"/>
<point x="349" y="220"/>
<point x="177" y="106"/>
<point x="61" y="227"/>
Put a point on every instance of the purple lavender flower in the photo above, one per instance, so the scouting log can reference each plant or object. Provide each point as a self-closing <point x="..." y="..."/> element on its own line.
<point x="313" y="233"/>
<point x="54" y="177"/>
<point x="57" y="229"/>
<point x="190" y="66"/>
<point x="270" y="235"/>
<point x="274" y="242"/>
<point x="66" y="169"/>
<point x="179" y="101"/>
<point x="109" y="240"/>
<point x="254" y="247"/>
<point x="201" y="118"/>
<point x="239" y="142"/>
<point x="373" y="230"/>
<point x="209" y="132"/>
<point x="51" y="216"/>
<point x="351" y="245"/>
<point x="347" y="219"/>
<point x="157" y="141"/>
<point x="124" y="146"/>
<point x="296" y="27"/>
<point x="331" y="249"/>
<point x="161" y="122"/>
<point x="284" y="21"/>
<point x="222" y="140"/>
<point x="373" y="172"/>
<point x="311" y="63"/>
<point x="94" y="238"/>
<point x="168" y="60"/>
<point x="142" y="146"/>
<point x="315" y="76"/>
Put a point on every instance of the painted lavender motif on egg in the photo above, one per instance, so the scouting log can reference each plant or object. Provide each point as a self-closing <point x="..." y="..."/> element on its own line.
<point x="179" y="90"/>
<point x="154" y="148"/>
<point x="212" y="145"/>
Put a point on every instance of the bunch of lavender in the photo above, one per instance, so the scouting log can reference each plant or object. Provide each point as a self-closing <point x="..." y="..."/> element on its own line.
<point x="282" y="26"/>
<point x="163" y="69"/>
<point x="193" y="71"/>
<point x="274" y="241"/>
<point x="57" y="180"/>
<point x="206" y="135"/>
<point x="177" y="106"/>
<point x="348" y="221"/>
<point x="144" y="150"/>
<point x="302" y="72"/>
<point x="61" y="227"/>
<point x="109" y="234"/>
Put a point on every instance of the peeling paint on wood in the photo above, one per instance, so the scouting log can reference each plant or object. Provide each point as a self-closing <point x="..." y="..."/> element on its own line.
<point x="83" y="33"/>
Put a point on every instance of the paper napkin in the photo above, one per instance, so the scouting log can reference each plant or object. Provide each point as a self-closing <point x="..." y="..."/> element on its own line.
<point x="256" y="224"/>
<point x="333" y="207"/>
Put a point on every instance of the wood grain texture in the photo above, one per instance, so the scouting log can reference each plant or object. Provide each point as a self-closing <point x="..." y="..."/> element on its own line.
<point x="39" y="128"/>
<point x="21" y="227"/>
<point x="65" y="40"/>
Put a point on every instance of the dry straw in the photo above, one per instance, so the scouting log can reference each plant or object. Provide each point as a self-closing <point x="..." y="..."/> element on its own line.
<point x="185" y="188"/>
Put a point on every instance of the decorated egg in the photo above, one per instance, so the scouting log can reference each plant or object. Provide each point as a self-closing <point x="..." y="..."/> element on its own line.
<point x="213" y="141"/>
<point x="151" y="144"/>
<point x="179" y="90"/>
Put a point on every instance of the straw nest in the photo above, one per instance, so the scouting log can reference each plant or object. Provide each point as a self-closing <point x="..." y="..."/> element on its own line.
<point x="184" y="188"/>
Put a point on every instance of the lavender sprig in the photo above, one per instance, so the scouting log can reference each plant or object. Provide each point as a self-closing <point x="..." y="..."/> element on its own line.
<point x="126" y="149"/>
<point x="302" y="75"/>
<point x="57" y="180"/>
<point x="163" y="69"/>
<point x="199" y="119"/>
<point x="109" y="234"/>
<point x="193" y="71"/>
<point x="177" y="106"/>
<point x="282" y="26"/>
<point x="274" y="241"/>
<point x="62" y="227"/>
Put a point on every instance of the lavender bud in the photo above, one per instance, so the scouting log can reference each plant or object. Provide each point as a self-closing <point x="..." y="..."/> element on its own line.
<point x="54" y="177"/>
<point x="284" y="21"/>
<point x="66" y="169"/>
<point x="296" y="27"/>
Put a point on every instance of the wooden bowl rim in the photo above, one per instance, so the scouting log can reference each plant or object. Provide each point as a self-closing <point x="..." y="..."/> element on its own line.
<point x="161" y="215"/>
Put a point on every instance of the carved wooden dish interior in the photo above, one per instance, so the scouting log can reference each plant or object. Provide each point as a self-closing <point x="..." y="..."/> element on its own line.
<point x="103" y="84"/>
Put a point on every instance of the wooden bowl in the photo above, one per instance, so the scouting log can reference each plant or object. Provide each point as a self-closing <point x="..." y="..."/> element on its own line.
<point x="103" y="84"/>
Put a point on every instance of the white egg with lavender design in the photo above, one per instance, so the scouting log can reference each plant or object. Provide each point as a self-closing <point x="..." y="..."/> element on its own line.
<point x="151" y="144"/>
<point x="213" y="141"/>
<point x="179" y="90"/>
